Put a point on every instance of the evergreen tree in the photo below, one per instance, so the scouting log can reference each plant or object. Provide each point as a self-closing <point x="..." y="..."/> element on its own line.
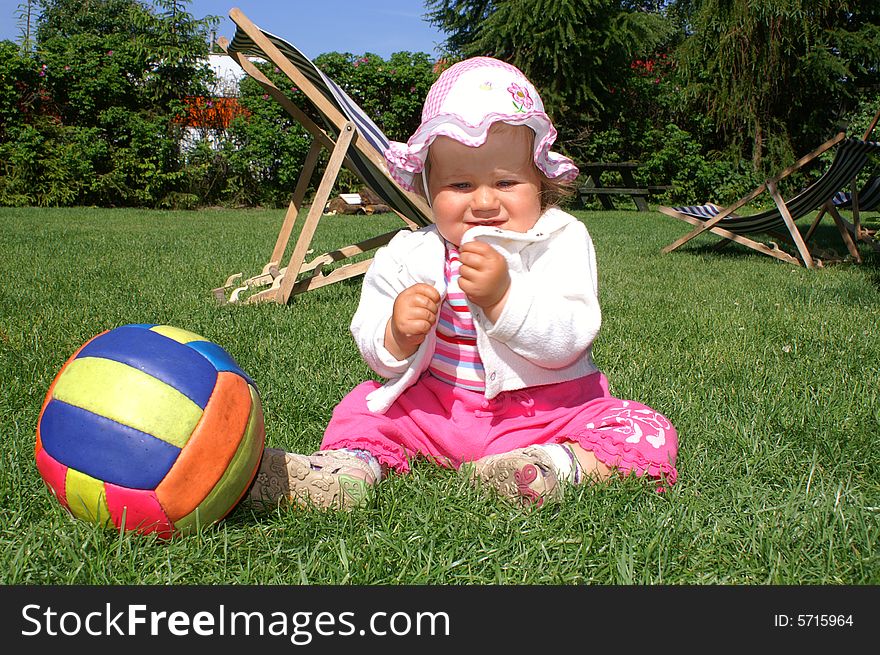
<point x="779" y="74"/>
<point x="577" y="52"/>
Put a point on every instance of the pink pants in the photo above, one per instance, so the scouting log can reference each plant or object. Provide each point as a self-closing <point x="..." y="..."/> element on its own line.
<point x="452" y="425"/>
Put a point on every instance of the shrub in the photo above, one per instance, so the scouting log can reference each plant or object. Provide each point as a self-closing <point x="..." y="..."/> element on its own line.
<point x="89" y="119"/>
<point x="675" y="157"/>
<point x="391" y="92"/>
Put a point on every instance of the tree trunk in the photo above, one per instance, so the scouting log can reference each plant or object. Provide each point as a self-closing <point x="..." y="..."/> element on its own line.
<point x="758" y="146"/>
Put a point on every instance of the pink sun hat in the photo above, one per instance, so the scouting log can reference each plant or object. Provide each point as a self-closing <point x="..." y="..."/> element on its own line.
<point x="463" y="103"/>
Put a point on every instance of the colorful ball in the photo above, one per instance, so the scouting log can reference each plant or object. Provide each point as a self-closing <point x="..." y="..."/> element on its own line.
<point x="150" y="428"/>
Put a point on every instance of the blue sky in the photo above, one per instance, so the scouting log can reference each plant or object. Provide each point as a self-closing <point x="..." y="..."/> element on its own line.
<point x="314" y="26"/>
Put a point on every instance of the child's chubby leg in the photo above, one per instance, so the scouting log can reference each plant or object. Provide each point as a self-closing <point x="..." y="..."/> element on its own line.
<point x="327" y="479"/>
<point x="591" y="467"/>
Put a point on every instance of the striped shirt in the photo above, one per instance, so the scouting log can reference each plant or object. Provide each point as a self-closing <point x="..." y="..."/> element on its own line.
<point x="456" y="360"/>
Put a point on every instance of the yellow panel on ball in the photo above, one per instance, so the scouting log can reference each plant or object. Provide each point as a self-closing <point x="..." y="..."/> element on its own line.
<point x="86" y="498"/>
<point x="128" y="396"/>
<point x="178" y="334"/>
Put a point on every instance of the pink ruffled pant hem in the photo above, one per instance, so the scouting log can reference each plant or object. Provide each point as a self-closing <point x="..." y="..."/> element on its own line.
<point x="452" y="425"/>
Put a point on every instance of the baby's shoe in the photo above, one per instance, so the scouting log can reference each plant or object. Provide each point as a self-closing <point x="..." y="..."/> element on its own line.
<point x="526" y="476"/>
<point x="327" y="479"/>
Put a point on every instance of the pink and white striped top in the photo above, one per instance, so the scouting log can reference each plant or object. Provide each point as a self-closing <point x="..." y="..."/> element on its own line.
<point x="456" y="360"/>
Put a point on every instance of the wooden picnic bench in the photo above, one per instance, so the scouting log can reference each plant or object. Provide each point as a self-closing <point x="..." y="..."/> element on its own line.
<point x="594" y="184"/>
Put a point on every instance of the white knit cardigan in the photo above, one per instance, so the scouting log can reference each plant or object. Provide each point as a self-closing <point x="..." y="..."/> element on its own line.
<point x="544" y="333"/>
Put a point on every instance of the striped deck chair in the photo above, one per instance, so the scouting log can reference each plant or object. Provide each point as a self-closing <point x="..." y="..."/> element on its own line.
<point x="352" y="139"/>
<point x="868" y="198"/>
<point x="850" y="156"/>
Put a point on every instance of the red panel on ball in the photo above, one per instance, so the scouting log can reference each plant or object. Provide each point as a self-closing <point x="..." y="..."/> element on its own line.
<point x="140" y="509"/>
<point x="53" y="472"/>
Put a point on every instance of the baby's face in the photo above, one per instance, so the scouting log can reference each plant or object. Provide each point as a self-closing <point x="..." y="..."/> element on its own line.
<point x="495" y="184"/>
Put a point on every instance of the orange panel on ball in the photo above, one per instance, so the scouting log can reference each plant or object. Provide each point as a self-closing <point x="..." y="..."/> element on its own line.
<point x="209" y="450"/>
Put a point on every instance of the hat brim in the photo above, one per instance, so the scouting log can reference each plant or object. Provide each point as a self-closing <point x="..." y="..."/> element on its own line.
<point x="406" y="160"/>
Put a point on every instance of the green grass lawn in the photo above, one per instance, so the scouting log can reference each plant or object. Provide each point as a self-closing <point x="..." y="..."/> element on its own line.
<point x="769" y="372"/>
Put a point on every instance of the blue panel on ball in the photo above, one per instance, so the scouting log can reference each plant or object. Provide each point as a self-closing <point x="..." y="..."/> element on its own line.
<point x="104" y="449"/>
<point x="221" y="359"/>
<point x="157" y="355"/>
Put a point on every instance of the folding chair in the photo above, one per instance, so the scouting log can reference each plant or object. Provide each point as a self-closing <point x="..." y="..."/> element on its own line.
<point x="850" y="156"/>
<point x="351" y="138"/>
<point x="865" y="199"/>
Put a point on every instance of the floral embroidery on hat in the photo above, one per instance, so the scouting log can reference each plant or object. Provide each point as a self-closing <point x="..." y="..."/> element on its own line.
<point x="521" y="99"/>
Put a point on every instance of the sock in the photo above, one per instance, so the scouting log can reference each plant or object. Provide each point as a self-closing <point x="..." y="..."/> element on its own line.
<point x="368" y="458"/>
<point x="567" y="466"/>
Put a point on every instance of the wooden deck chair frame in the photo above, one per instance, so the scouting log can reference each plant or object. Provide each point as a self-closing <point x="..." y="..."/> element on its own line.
<point x="855" y="228"/>
<point x="794" y="235"/>
<point x="340" y="140"/>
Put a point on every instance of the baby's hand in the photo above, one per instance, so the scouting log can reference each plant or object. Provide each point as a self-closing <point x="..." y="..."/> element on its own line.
<point x="414" y="314"/>
<point x="485" y="279"/>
